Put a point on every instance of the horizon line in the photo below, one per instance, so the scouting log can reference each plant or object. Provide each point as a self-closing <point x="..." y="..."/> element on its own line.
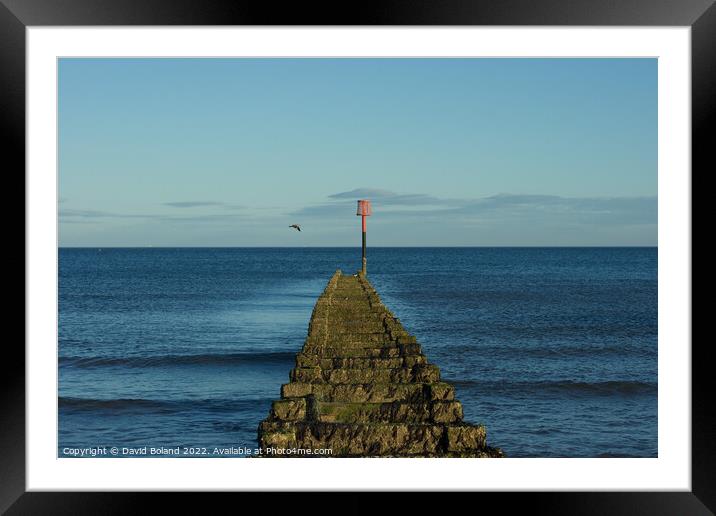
<point x="354" y="247"/>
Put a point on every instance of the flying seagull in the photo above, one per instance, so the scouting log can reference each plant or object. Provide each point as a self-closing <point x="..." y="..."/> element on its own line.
<point x="295" y="226"/>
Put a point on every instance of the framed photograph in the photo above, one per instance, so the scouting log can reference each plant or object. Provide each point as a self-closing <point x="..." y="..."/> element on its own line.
<point x="410" y="249"/>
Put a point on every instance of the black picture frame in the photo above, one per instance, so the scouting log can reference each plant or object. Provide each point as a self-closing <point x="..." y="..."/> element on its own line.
<point x="16" y="15"/>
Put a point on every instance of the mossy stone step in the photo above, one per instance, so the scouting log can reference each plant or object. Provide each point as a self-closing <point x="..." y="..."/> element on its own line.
<point x="332" y="351"/>
<point x="347" y="337"/>
<point x="289" y="409"/>
<point x="359" y="440"/>
<point x="374" y="439"/>
<point x="371" y="392"/>
<point x="421" y="373"/>
<point x="309" y="360"/>
<point x="324" y="338"/>
<point x="302" y="409"/>
<point x="396" y="412"/>
<point x="358" y="326"/>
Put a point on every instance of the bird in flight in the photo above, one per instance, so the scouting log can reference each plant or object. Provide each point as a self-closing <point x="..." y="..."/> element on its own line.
<point x="295" y="226"/>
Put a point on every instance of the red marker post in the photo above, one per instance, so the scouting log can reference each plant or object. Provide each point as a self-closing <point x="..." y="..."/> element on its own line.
<point x="364" y="210"/>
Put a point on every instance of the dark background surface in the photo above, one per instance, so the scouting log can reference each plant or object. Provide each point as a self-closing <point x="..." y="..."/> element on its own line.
<point x="368" y="12"/>
<point x="15" y="15"/>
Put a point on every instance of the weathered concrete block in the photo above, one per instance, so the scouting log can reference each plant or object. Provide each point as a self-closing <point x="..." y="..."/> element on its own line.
<point x="363" y="440"/>
<point x="295" y="390"/>
<point x="307" y="375"/>
<point x="446" y="411"/>
<point x="423" y="373"/>
<point x="371" y="351"/>
<point x="439" y="391"/>
<point x="392" y="412"/>
<point x="359" y="393"/>
<point x="289" y="409"/>
<point x="465" y="437"/>
<point x="365" y="362"/>
<point x="409" y="349"/>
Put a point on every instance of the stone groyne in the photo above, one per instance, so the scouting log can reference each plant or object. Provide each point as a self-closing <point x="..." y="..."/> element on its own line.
<point x="362" y="388"/>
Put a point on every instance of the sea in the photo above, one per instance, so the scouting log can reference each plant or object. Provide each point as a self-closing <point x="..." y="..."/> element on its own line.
<point x="183" y="349"/>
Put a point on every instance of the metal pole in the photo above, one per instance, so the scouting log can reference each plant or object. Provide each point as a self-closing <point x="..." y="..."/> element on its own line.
<point x="364" y="259"/>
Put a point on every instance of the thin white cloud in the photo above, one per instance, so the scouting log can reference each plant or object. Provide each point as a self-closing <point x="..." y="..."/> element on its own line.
<point x="192" y="204"/>
<point x="388" y="198"/>
<point x="533" y="209"/>
<point x="75" y="216"/>
<point x="359" y="193"/>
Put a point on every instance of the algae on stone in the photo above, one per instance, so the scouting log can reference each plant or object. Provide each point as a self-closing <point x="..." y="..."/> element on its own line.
<point x="362" y="387"/>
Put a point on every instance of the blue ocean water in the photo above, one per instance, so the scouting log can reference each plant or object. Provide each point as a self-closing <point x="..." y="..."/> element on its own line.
<point x="554" y="349"/>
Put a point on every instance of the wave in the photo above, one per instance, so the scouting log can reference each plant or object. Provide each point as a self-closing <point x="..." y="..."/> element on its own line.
<point x="121" y="403"/>
<point x="141" y="404"/>
<point x="280" y="357"/>
<point x="512" y="351"/>
<point x="606" y="388"/>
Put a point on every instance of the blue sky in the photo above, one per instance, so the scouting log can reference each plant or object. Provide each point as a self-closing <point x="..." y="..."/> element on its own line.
<point x="483" y="152"/>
